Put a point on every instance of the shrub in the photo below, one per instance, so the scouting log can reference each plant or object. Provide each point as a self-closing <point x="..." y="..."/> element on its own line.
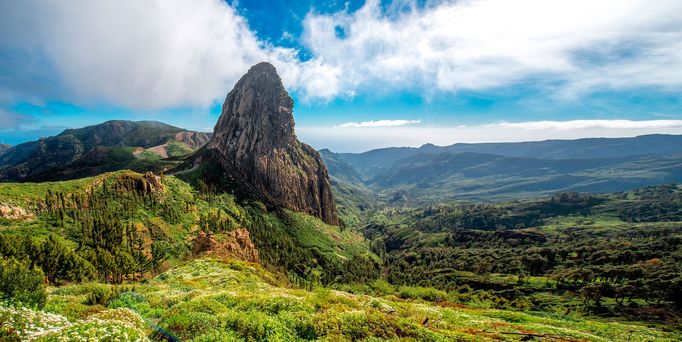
<point x="486" y="300"/>
<point x="24" y="324"/>
<point x="185" y="325"/>
<point x="258" y="326"/>
<point x="204" y="305"/>
<point x="300" y="322"/>
<point x="382" y="287"/>
<point x="22" y="284"/>
<point x="367" y="324"/>
<point x="218" y="335"/>
<point x="126" y="299"/>
<point x="355" y="325"/>
<point x="425" y="293"/>
<point x="99" y="294"/>
<point x="109" y="325"/>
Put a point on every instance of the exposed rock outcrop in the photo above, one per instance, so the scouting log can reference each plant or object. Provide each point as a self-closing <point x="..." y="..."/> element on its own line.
<point x="13" y="212"/>
<point x="254" y="140"/>
<point x="193" y="139"/>
<point x="235" y="244"/>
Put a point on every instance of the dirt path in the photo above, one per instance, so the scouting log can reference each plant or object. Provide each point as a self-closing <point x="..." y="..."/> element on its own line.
<point x="194" y="167"/>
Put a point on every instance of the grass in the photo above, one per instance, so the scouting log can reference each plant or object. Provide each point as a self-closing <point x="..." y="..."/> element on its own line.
<point x="28" y="193"/>
<point x="209" y="300"/>
<point x="149" y="155"/>
<point x="326" y="239"/>
<point x="177" y="149"/>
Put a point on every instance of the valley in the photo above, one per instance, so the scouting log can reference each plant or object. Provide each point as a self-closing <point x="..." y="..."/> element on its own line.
<point x="494" y="172"/>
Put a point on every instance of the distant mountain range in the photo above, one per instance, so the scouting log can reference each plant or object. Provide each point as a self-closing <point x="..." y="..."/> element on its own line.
<point x="487" y="171"/>
<point x="109" y="146"/>
<point x="513" y="170"/>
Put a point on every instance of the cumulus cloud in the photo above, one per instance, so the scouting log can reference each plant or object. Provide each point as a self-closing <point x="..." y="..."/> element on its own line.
<point x="160" y="54"/>
<point x="137" y="54"/>
<point x="482" y="44"/>
<point x="380" y="123"/>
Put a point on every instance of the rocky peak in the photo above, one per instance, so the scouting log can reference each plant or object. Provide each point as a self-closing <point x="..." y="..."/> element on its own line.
<point x="258" y="113"/>
<point x="254" y="139"/>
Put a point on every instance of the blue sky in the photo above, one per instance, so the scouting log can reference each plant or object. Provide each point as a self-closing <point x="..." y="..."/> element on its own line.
<point x="362" y="74"/>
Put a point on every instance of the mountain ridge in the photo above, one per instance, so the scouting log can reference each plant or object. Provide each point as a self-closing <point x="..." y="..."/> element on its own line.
<point x="479" y="176"/>
<point x="584" y="148"/>
<point x="104" y="147"/>
<point x="513" y="170"/>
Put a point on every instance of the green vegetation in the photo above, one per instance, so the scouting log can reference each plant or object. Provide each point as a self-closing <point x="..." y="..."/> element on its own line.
<point x="126" y="226"/>
<point x="20" y="324"/>
<point x="93" y="150"/>
<point x="117" y="252"/>
<point x="21" y="283"/>
<point x="149" y="155"/>
<point x="178" y="149"/>
<point x="309" y="251"/>
<point x="215" y="300"/>
<point x="617" y="256"/>
<point x="352" y="202"/>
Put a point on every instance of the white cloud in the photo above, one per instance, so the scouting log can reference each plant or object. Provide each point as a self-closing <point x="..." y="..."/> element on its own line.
<point x="137" y="54"/>
<point x="380" y="123"/>
<point x="359" y="139"/>
<point x="10" y="120"/>
<point x="158" y="53"/>
<point x="592" y="124"/>
<point x="482" y="44"/>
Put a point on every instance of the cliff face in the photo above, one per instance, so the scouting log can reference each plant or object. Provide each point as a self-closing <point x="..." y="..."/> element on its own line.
<point x="254" y="139"/>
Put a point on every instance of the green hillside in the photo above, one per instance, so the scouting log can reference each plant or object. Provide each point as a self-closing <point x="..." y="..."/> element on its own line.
<point x="616" y="256"/>
<point x="120" y="256"/>
<point x="214" y="300"/>
<point x="92" y="150"/>
<point x="151" y="221"/>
